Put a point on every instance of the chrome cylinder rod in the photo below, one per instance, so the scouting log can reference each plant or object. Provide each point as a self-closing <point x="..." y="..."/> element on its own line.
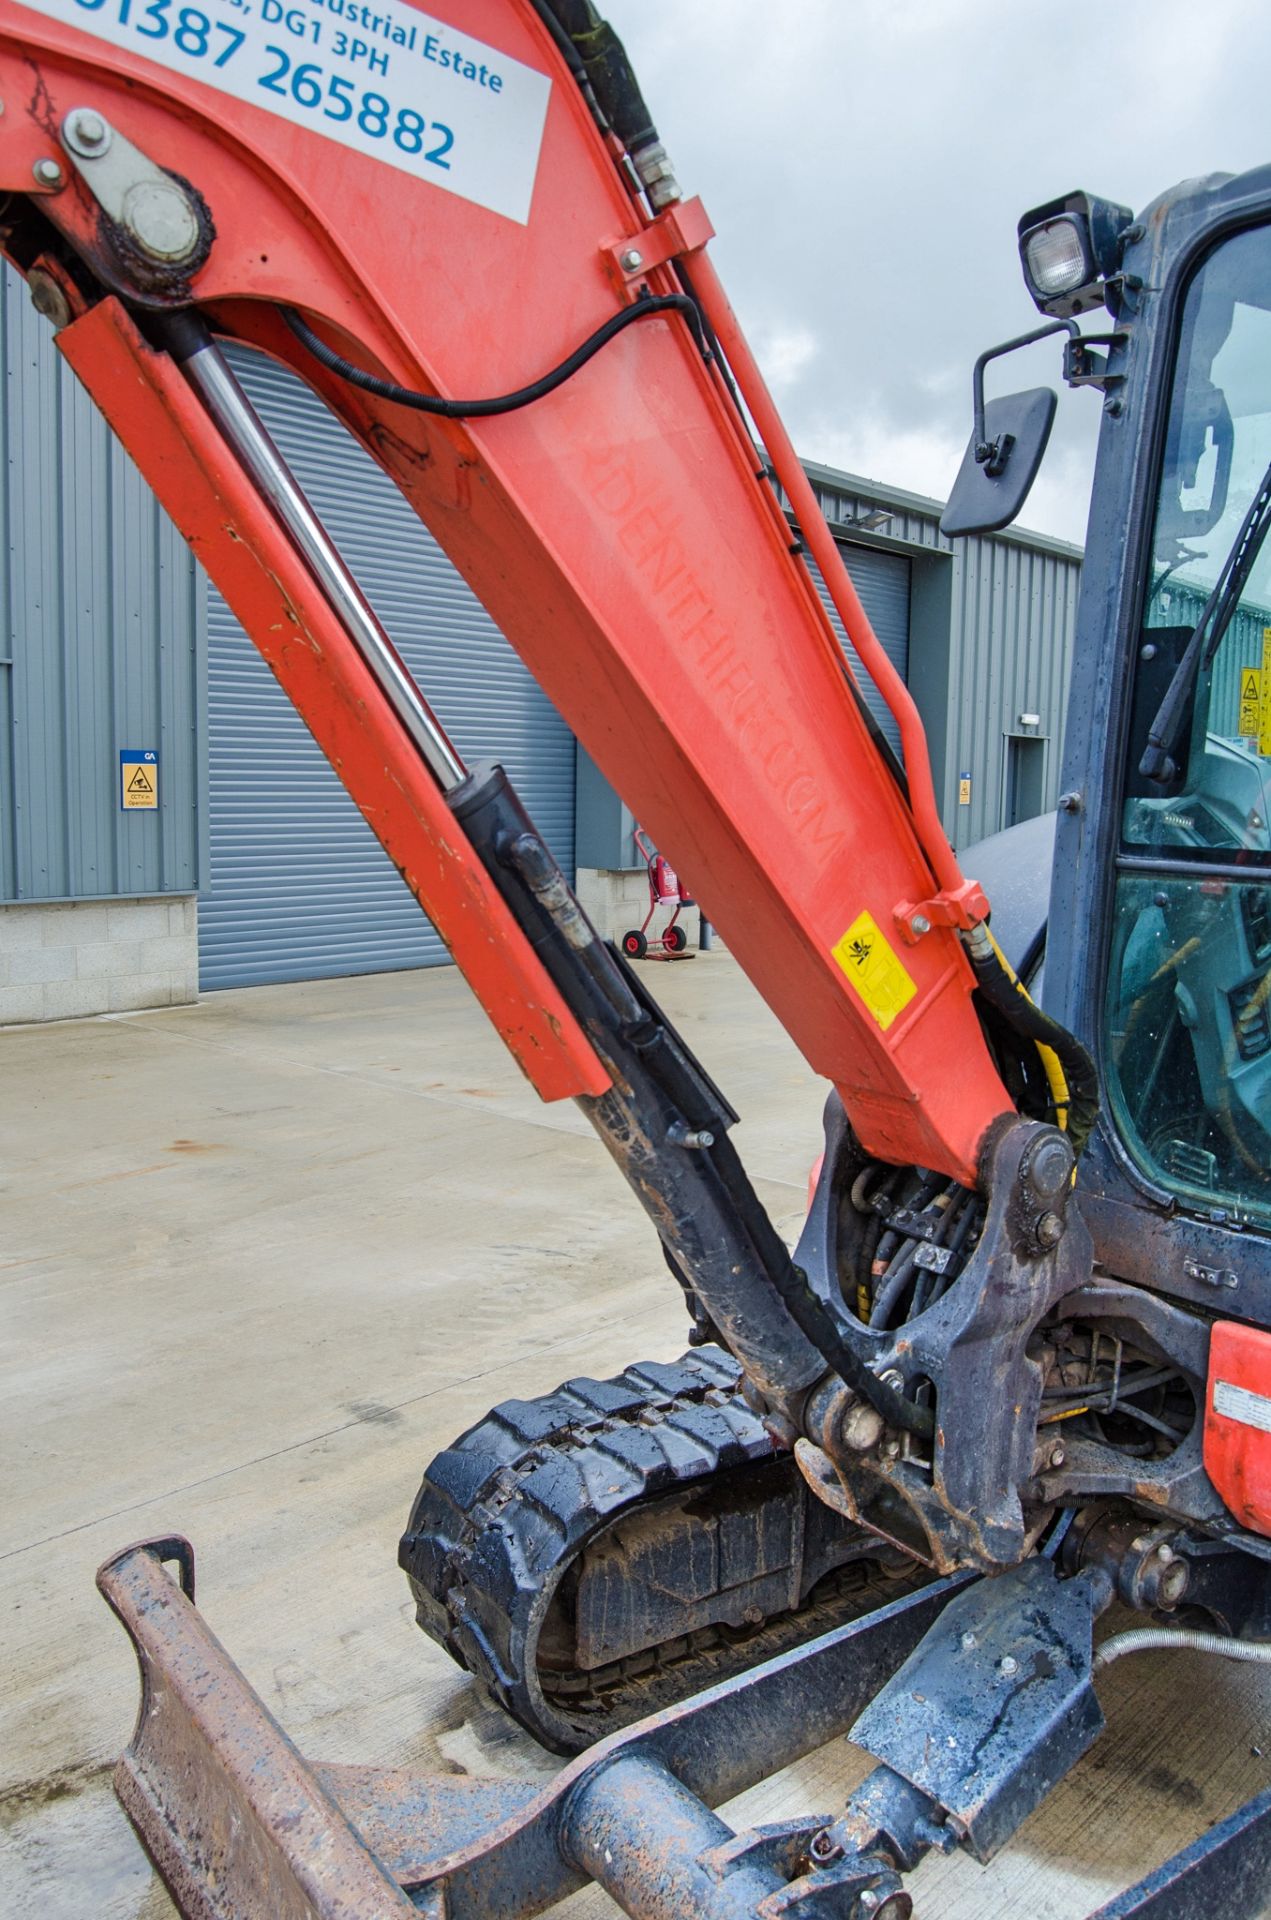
<point x="213" y="379"/>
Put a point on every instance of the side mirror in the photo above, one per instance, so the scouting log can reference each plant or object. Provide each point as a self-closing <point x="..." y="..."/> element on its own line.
<point x="1000" y="463"/>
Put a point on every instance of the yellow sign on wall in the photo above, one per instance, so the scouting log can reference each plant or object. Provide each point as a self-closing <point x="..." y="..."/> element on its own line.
<point x="1249" y="725"/>
<point x="138" y="779"/>
<point x="1264" y="704"/>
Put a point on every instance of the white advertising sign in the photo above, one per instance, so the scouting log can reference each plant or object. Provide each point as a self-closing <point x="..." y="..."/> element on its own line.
<point x="375" y="75"/>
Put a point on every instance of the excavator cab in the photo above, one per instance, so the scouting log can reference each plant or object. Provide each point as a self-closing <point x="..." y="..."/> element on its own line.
<point x="1185" y="1039"/>
<point x="1189" y="1042"/>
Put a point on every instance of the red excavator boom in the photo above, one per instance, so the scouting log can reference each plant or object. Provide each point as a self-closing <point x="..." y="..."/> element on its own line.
<point x="436" y="201"/>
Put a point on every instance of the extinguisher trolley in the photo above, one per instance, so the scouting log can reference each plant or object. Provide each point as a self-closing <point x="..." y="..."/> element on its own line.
<point x="666" y="889"/>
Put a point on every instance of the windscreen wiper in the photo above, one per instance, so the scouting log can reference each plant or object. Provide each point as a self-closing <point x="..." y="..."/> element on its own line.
<point x="1157" y="763"/>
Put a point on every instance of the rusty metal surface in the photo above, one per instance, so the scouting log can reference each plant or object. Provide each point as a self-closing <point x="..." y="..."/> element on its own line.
<point x="690" y="1862"/>
<point x="234" y="1821"/>
<point x="997" y="1704"/>
<point x="239" y="1827"/>
<point x="967" y="1500"/>
<point x="242" y="1829"/>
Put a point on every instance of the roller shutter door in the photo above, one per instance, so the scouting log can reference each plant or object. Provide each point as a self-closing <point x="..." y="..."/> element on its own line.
<point x="299" y="888"/>
<point x="882" y="580"/>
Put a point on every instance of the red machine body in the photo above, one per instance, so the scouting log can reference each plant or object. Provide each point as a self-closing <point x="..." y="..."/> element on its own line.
<point x="620" y="530"/>
<point x="1238" y="1421"/>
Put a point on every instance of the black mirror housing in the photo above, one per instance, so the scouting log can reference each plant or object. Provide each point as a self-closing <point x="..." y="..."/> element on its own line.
<point x="998" y="470"/>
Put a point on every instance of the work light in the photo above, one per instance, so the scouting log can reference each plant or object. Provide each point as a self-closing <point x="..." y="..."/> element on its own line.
<point x="1055" y="258"/>
<point x="1068" y="249"/>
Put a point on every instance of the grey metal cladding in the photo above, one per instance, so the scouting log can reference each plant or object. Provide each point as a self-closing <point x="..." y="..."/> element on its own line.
<point x="299" y="887"/>
<point x="1011" y="623"/>
<point x="1181" y="605"/>
<point x="101" y="646"/>
<point x="882" y="581"/>
<point x="1014" y="616"/>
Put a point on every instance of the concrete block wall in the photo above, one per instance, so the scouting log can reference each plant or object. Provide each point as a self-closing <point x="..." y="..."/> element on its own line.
<point x="62" y="960"/>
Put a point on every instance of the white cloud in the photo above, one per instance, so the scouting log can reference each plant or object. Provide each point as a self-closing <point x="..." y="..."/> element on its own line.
<point x="784" y="354"/>
<point x="921" y="459"/>
<point x="865" y="166"/>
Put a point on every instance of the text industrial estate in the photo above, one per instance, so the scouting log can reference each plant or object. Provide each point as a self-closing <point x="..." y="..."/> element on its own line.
<point x="429" y="47"/>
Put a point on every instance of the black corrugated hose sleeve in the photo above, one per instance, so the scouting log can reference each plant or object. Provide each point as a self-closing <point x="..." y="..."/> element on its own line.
<point x="1027" y="1019"/>
<point x="817" y="1324"/>
<point x="609" y="70"/>
<point x="642" y="309"/>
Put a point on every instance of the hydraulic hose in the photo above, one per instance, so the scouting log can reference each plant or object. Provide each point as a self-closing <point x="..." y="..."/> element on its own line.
<point x="642" y="309"/>
<point x="814" y="1320"/>
<point x="1069" y="1069"/>
<point x="1147" y="1639"/>
<point x="600" y="55"/>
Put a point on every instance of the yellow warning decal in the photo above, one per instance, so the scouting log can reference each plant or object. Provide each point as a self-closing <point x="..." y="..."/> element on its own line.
<point x="139" y="779"/>
<point x="875" y="969"/>
<point x="1249" y="721"/>
<point x="1264" y="729"/>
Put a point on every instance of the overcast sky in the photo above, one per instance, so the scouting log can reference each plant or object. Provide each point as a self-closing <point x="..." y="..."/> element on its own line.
<point x="865" y="162"/>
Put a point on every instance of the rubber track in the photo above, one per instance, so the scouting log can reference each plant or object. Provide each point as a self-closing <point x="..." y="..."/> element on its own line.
<point x="504" y="1511"/>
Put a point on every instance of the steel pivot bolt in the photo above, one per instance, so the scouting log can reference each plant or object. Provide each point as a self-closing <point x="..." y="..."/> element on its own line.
<point x="631" y="260"/>
<point x="48" y="172"/>
<point x="920" y="924"/>
<point x="862" y="1427"/>
<point x="1008" y="1667"/>
<point x="1050" y="1165"/>
<point x="1057" y="1456"/>
<point x="86" y="132"/>
<point x="47" y="297"/>
<point x="969" y="1642"/>
<point x="161" y="220"/>
<point x="1050" y="1230"/>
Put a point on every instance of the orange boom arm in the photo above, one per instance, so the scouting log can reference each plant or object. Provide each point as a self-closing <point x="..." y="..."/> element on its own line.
<point x="436" y="200"/>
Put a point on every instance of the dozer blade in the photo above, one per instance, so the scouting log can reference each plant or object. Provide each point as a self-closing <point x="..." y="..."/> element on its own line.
<point x="234" y="1821"/>
<point x="241" y="1828"/>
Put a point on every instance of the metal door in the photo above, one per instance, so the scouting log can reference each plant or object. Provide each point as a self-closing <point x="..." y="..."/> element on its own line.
<point x="299" y="888"/>
<point x="882" y="580"/>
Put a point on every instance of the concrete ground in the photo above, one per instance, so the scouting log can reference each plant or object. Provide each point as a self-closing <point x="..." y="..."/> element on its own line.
<point x="262" y="1257"/>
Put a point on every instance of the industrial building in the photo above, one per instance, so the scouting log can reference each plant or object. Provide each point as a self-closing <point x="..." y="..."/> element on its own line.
<point x="166" y="823"/>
